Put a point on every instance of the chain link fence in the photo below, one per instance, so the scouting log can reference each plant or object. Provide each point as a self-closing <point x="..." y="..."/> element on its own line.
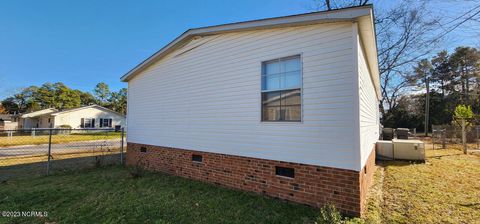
<point x="27" y="152"/>
<point x="445" y="135"/>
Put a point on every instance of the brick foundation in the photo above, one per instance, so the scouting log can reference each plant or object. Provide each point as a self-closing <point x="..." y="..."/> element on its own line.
<point x="312" y="185"/>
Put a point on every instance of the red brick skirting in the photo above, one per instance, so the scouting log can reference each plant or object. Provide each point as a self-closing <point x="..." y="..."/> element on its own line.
<point x="311" y="185"/>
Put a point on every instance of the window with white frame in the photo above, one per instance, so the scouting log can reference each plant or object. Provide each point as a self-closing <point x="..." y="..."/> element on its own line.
<point x="281" y="89"/>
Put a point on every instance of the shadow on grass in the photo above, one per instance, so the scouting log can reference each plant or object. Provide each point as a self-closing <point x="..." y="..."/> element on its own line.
<point x="471" y="205"/>
<point x="441" y="156"/>
<point x="36" y="169"/>
<point x="386" y="163"/>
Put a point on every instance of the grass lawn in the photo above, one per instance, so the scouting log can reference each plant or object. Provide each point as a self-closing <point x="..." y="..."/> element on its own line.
<point x="43" y="139"/>
<point x="445" y="189"/>
<point x="111" y="195"/>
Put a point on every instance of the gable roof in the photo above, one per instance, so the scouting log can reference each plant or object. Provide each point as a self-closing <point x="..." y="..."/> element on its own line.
<point x="86" y="107"/>
<point x="39" y="113"/>
<point x="361" y="14"/>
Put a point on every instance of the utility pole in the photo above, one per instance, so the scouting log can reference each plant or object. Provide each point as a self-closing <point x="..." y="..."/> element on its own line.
<point x="427" y="105"/>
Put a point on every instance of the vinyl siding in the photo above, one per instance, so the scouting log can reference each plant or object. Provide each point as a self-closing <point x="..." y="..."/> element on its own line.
<point x="206" y="96"/>
<point x="369" y="108"/>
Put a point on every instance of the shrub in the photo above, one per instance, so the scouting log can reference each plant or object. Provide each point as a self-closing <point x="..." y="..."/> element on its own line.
<point x="139" y="169"/>
<point x="65" y="126"/>
<point x="329" y="215"/>
<point x="64" y="132"/>
<point x="463" y="111"/>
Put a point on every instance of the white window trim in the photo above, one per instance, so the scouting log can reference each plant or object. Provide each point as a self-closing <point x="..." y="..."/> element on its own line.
<point x="84" y="122"/>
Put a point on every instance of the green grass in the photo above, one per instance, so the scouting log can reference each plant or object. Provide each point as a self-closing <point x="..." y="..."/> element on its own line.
<point x="111" y="195"/>
<point x="445" y="189"/>
<point x="43" y="139"/>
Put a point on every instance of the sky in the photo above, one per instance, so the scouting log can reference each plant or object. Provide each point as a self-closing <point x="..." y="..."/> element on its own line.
<point x="82" y="43"/>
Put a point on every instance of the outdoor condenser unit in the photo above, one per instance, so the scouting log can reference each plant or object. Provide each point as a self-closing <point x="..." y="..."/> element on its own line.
<point x="387" y="133"/>
<point x="402" y="133"/>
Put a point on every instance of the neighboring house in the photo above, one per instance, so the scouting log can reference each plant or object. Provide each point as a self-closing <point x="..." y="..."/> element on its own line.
<point x="287" y="107"/>
<point x="8" y="122"/>
<point x="36" y="119"/>
<point x="92" y="116"/>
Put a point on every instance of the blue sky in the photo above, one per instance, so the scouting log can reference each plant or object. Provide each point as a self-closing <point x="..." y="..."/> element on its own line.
<point x="81" y="43"/>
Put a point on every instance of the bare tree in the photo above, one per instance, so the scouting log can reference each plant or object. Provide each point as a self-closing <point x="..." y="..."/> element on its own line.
<point x="406" y="33"/>
<point x="337" y="4"/>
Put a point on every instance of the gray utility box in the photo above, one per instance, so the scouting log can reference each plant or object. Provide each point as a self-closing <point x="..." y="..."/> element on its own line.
<point x="384" y="150"/>
<point x="401" y="149"/>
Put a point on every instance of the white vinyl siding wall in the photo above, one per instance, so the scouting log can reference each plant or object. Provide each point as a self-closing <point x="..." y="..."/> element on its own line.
<point x="369" y="108"/>
<point x="206" y="96"/>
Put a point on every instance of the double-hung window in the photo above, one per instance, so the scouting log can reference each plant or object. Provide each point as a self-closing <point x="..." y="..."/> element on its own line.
<point x="105" y="122"/>
<point x="87" y="122"/>
<point x="281" y="89"/>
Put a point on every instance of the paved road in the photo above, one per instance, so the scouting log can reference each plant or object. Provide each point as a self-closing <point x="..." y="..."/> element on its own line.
<point x="70" y="147"/>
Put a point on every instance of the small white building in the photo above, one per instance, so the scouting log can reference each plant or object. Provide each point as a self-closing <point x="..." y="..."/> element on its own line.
<point x="287" y="107"/>
<point x="92" y="116"/>
<point x="8" y="121"/>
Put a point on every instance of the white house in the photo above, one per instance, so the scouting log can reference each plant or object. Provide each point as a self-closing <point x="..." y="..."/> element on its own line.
<point x="287" y="107"/>
<point x="92" y="116"/>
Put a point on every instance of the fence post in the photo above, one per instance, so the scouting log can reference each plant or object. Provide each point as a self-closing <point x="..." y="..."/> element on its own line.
<point x="121" y="147"/>
<point x="433" y="138"/>
<point x="49" y="150"/>
<point x="444" y="133"/>
<point x="477" y="129"/>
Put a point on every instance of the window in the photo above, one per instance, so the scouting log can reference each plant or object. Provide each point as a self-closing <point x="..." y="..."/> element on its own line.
<point x="197" y="158"/>
<point x="281" y="89"/>
<point x="105" y="122"/>
<point x="87" y="123"/>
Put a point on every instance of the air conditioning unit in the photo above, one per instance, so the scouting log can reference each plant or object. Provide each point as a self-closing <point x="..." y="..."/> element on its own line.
<point x="408" y="149"/>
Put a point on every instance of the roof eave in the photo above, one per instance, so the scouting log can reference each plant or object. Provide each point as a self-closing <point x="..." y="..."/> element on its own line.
<point x="368" y="36"/>
<point x="348" y="14"/>
<point x="85" y="107"/>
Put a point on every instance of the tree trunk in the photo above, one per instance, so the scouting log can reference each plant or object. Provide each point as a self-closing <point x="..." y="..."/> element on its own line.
<point x="327" y="3"/>
<point x="443" y="89"/>
<point x="464" y="136"/>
